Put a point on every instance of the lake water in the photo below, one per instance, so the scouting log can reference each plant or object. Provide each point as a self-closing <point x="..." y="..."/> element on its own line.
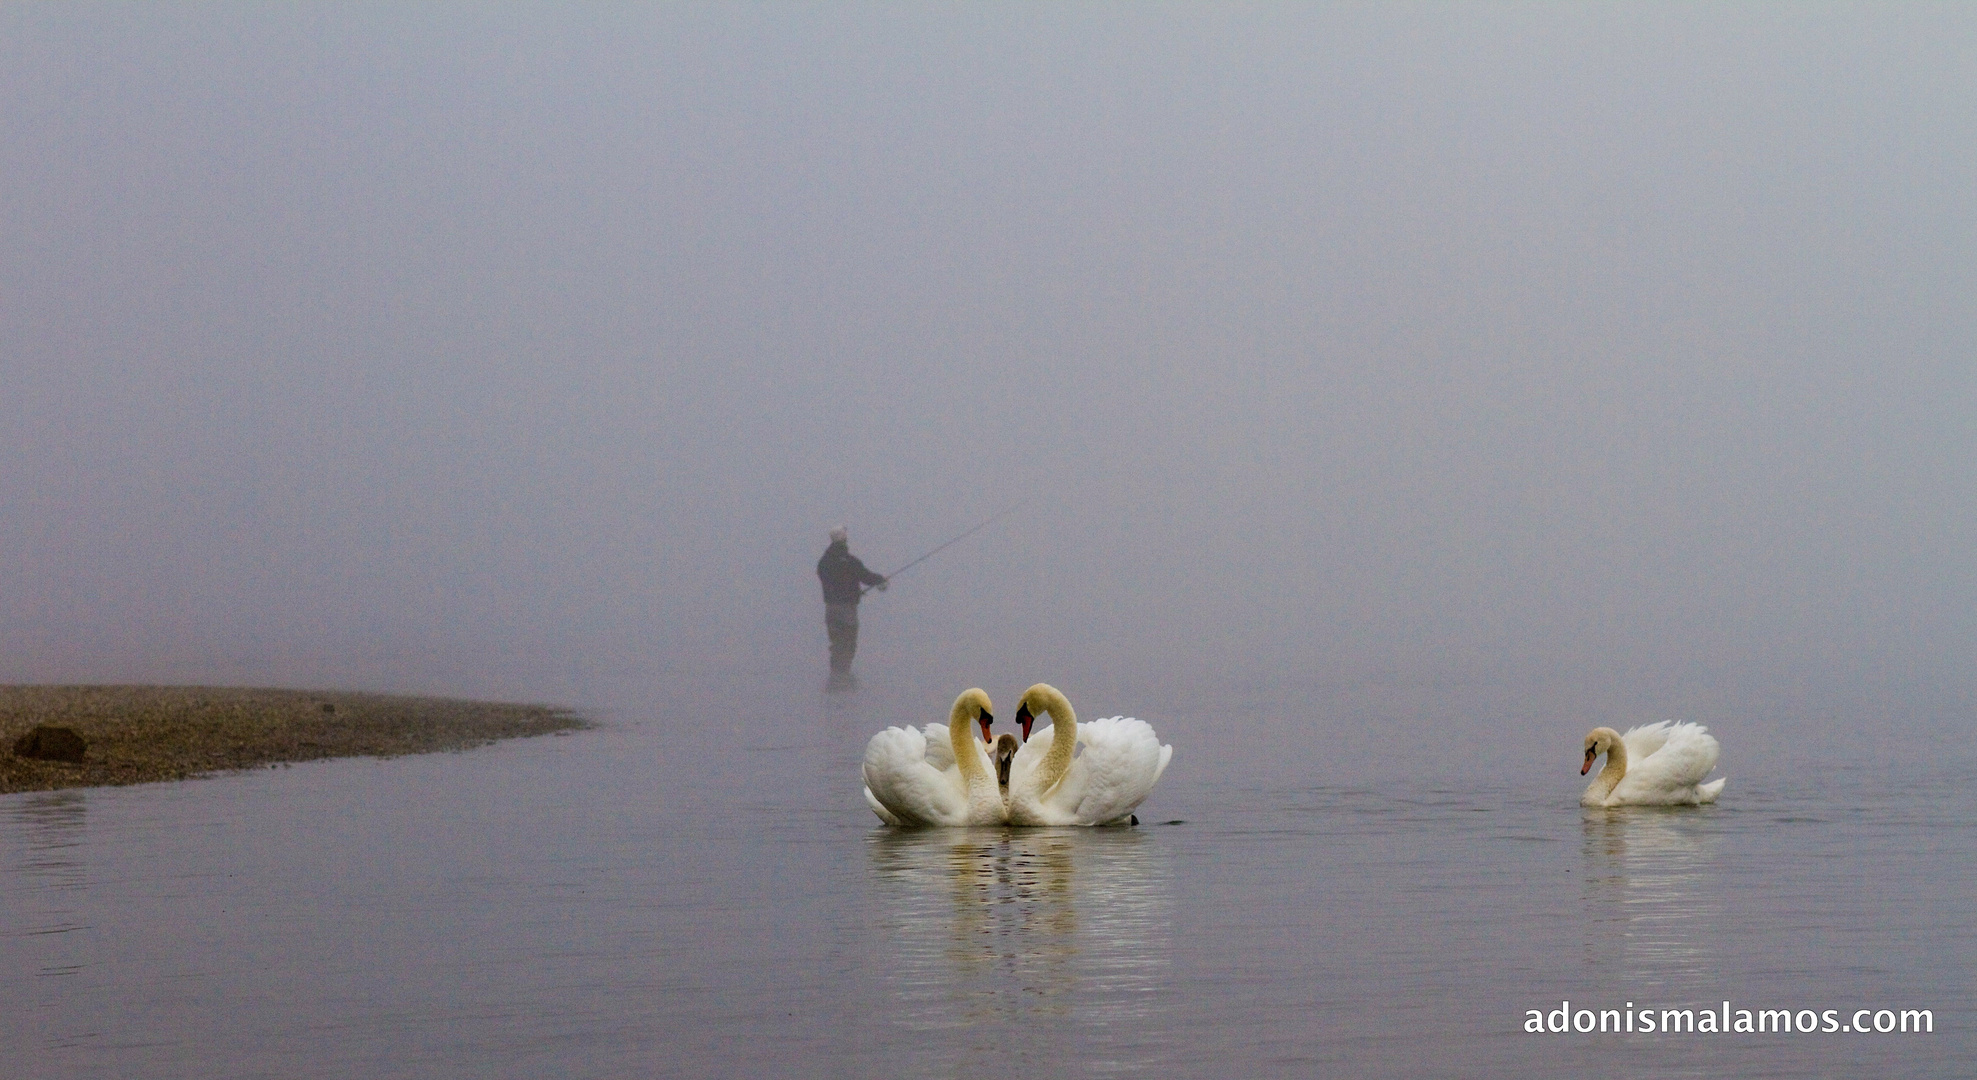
<point x="696" y="889"/>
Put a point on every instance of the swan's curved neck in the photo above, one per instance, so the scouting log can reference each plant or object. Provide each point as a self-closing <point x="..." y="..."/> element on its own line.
<point x="961" y="737"/>
<point x="1616" y="768"/>
<point x="1063" y="735"/>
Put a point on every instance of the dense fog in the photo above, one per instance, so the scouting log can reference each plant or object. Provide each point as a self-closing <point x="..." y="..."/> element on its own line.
<point x="1441" y="365"/>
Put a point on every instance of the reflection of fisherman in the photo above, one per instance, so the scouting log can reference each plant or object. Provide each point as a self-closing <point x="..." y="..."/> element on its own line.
<point x="844" y="578"/>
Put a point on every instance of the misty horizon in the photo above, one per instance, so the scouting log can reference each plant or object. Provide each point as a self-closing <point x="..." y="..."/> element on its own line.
<point x="1614" y="361"/>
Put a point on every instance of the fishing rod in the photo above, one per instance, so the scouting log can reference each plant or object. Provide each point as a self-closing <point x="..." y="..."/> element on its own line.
<point x="944" y="547"/>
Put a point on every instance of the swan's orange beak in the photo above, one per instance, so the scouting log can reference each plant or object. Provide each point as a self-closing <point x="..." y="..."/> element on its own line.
<point x="985" y="720"/>
<point x="1024" y="718"/>
<point x="1588" y="766"/>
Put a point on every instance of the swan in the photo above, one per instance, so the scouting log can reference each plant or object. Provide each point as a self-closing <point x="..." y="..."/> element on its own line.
<point x="1081" y="774"/>
<point x="1661" y="764"/>
<point x="1004" y="750"/>
<point x="915" y="777"/>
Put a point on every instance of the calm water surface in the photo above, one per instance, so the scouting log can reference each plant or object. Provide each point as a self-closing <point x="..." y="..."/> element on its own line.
<point x="697" y="890"/>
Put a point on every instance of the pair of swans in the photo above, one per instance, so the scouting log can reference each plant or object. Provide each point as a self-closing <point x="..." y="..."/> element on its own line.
<point x="1068" y="774"/>
<point x="1659" y="764"/>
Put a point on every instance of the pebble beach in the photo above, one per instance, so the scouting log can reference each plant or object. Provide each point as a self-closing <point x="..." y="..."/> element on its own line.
<point x="145" y="734"/>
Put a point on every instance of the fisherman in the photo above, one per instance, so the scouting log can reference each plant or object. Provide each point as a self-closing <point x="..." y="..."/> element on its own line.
<point x="844" y="577"/>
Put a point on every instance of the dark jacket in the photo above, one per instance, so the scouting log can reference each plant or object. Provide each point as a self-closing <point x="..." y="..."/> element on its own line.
<point x="842" y="574"/>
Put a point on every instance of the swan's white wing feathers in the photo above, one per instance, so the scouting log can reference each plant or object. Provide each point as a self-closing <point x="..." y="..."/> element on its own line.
<point x="1117" y="761"/>
<point x="1115" y="771"/>
<point x="901" y="780"/>
<point x="1671" y="773"/>
<point x="940" y="746"/>
<point x="1686" y="756"/>
<point x="879" y="808"/>
<point x="1646" y="739"/>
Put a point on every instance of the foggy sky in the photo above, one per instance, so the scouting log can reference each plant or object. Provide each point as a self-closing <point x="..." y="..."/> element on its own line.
<point x="532" y="352"/>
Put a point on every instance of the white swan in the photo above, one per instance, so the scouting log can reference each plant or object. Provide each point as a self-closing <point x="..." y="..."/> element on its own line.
<point x="1081" y="774"/>
<point x="913" y="780"/>
<point x="1660" y="764"/>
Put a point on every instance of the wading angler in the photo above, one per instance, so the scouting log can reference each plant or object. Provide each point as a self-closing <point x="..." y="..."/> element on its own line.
<point x="844" y="577"/>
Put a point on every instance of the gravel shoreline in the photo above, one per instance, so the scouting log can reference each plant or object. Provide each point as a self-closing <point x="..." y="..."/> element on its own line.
<point x="145" y="734"/>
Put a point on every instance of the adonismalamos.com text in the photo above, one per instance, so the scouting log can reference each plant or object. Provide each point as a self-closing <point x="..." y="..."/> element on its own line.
<point x="1725" y="1020"/>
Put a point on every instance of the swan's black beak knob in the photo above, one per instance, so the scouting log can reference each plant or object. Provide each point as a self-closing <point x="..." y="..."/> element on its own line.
<point x="985" y="720"/>
<point x="1024" y="719"/>
<point x="1591" y="754"/>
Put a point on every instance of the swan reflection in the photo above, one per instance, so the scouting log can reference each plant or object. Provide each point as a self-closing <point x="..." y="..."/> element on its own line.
<point x="1648" y="886"/>
<point x="1052" y="934"/>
